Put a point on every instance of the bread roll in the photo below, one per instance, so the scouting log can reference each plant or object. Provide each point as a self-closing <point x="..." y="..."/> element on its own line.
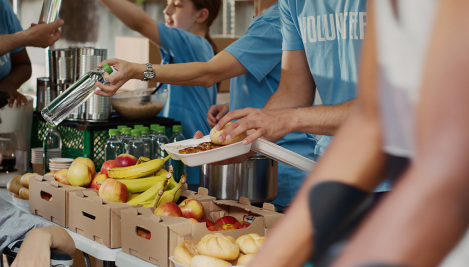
<point x="207" y="261"/>
<point x="25" y="179"/>
<point x="24" y="193"/>
<point x="214" y="133"/>
<point x="244" y="259"/>
<point x="218" y="246"/>
<point x="14" y="184"/>
<point x="250" y="243"/>
<point x="185" y="251"/>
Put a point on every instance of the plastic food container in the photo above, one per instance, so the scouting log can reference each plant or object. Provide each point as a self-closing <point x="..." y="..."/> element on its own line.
<point x="204" y="157"/>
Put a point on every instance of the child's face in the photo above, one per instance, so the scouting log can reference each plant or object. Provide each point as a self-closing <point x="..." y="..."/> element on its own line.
<point x="180" y="14"/>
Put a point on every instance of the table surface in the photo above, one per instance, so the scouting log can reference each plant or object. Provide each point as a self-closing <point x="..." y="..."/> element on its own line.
<point x="126" y="260"/>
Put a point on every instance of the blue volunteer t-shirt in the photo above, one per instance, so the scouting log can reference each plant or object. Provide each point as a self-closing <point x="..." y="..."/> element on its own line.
<point x="259" y="50"/>
<point x="187" y="104"/>
<point x="9" y="24"/>
<point x="331" y="33"/>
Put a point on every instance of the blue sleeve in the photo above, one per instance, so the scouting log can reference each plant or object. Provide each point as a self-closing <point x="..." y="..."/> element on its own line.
<point x="291" y="35"/>
<point x="9" y="21"/>
<point x="259" y="50"/>
<point x="183" y="46"/>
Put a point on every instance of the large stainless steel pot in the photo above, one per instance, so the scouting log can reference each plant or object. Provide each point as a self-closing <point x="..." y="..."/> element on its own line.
<point x="255" y="178"/>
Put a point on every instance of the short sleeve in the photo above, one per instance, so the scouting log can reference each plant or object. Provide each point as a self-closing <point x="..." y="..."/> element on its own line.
<point x="10" y="23"/>
<point x="290" y="32"/>
<point x="259" y="50"/>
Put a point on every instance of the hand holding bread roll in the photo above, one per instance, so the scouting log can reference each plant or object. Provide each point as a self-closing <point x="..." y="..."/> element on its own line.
<point x="185" y="251"/>
<point x="214" y="133"/>
<point x="218" y="246"/>
<point x="207" y="261"/>
<point x="250" y="243"/>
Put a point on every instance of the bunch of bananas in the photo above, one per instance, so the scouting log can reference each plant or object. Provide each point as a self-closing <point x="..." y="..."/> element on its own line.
<point x="148" y="183"/>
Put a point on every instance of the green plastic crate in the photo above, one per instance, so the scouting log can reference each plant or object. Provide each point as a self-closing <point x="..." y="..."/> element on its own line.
<point x="86" y="139"/>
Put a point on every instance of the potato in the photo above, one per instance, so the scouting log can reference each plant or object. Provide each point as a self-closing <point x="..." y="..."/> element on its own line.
<point x="214" y="133"/>
<point x="14" y="184"/>
<point x="25" y="179"/>
<point x="24" y="193"/>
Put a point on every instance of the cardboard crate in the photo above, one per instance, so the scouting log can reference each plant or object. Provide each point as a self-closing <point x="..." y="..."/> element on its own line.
<point x="168" y="232"/>
<point x="96" y="218"/>
<point x="56" y="208"/>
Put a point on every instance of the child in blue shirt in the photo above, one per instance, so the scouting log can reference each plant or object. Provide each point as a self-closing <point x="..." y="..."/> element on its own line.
<point x="184" y="37"/>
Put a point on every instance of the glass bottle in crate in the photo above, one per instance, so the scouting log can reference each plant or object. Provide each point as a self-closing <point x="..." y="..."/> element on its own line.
<point x="178" y="166"/>
<point x="136" y="145"/>
<point x="148" y="145"/>
<point x="158" y="142"/>
<point x="74" y="96"/>
<point x="126" y="137"/>
<point x="52" y="146"/>
<point x="114" y="147"/>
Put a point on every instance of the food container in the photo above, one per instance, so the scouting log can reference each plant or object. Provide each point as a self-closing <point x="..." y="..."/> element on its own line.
<point x="204" y="157"/>
<point x="255" y="178"/>
<point x="138" y="104"/>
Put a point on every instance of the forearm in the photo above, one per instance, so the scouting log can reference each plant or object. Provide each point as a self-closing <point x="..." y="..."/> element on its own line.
<point x="60" y="239"/>
<point x="322" y="120"/>
<point x="10" y="42"/>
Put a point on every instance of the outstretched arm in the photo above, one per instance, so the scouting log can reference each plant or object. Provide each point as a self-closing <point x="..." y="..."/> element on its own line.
<point x="222" y="66"/>
<point x="134" y="18"/>
<point x="427" y="212"/>
<point x="40" y="35"/>
<point x="35" y="250"/>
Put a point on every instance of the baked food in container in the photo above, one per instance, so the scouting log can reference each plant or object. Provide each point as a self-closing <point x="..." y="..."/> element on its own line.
<point x="218" y="246"/>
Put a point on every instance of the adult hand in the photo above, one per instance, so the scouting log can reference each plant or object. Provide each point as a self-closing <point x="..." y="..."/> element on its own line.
<point x="271" y="124"/>
<point x="124" y="72"/>
<point x="215" y="113"/>
<point x="13" y="95"/>
<point x="43" y="35"/>
<point x="35" y="250"/>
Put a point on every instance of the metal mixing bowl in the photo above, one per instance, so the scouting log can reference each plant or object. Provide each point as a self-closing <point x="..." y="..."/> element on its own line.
<point x="139" y="104"/>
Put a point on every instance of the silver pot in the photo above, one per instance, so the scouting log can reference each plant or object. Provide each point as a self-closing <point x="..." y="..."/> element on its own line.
<point x="255" y="178"/>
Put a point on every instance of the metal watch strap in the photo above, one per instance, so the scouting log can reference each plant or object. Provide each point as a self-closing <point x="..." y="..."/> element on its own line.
<point x="149" y="73"/>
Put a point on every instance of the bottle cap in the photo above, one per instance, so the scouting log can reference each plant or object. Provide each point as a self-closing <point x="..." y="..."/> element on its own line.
<point x="153" y="126"/>
<point x="135" y="132"/>
<point x="177" y="128"/>
<point x="161" y="129"/>
<point x="138" y="126"/>
<point x="144" y="130"/>
<point x="113" y="132"/>
<point x="107" y="68"/>
<point x="120" y="127"/>
<point x="126" y="130"/>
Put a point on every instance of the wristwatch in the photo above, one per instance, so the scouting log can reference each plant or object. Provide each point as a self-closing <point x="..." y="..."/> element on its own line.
<point x="149" y="73"/>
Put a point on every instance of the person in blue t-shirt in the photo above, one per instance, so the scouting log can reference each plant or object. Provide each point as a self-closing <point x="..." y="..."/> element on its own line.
<point x="254" y="64"/>
<point x="15" y="66"/>
<point x="184" y="37"/>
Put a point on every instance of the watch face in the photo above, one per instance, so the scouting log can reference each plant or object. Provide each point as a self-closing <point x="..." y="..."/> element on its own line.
<point x="149" y="75"/>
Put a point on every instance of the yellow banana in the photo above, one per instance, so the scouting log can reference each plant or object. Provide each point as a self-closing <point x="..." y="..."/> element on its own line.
<point x="140" y="184"/>
<point x="137" y="171"/>
<point x="150" y="193"/>
<point x="142" y="159"/>
<point x="172" y="194"/>
<point x="161" y="172"/>
<point x="132" y="196"/>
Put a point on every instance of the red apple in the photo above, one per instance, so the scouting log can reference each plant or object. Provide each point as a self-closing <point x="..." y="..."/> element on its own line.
<point x="143" y="233"/>
<point x="114" y="191"/>
<point x="79" y="174"/>
<point x="86" y="161"/>
<point x="229" y="226"/>
<point x="226" y="220"/>
<point x="207" y="222"/>
<point x="109" y="164"/>
<point x="98" y="179"/>
<point x="242" y="224"/>
<point x="192" y="208"/>
<point x="61" y="176"/>
<point x="193" y="220"/>
<point x="46" y="196"/>
<point x="219" y="227"/>
<point x="168" y="209"/>
<point x="126" y="160"/>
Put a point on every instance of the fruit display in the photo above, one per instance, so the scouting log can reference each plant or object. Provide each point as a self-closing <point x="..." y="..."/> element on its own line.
<point x="218" y="250"/>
